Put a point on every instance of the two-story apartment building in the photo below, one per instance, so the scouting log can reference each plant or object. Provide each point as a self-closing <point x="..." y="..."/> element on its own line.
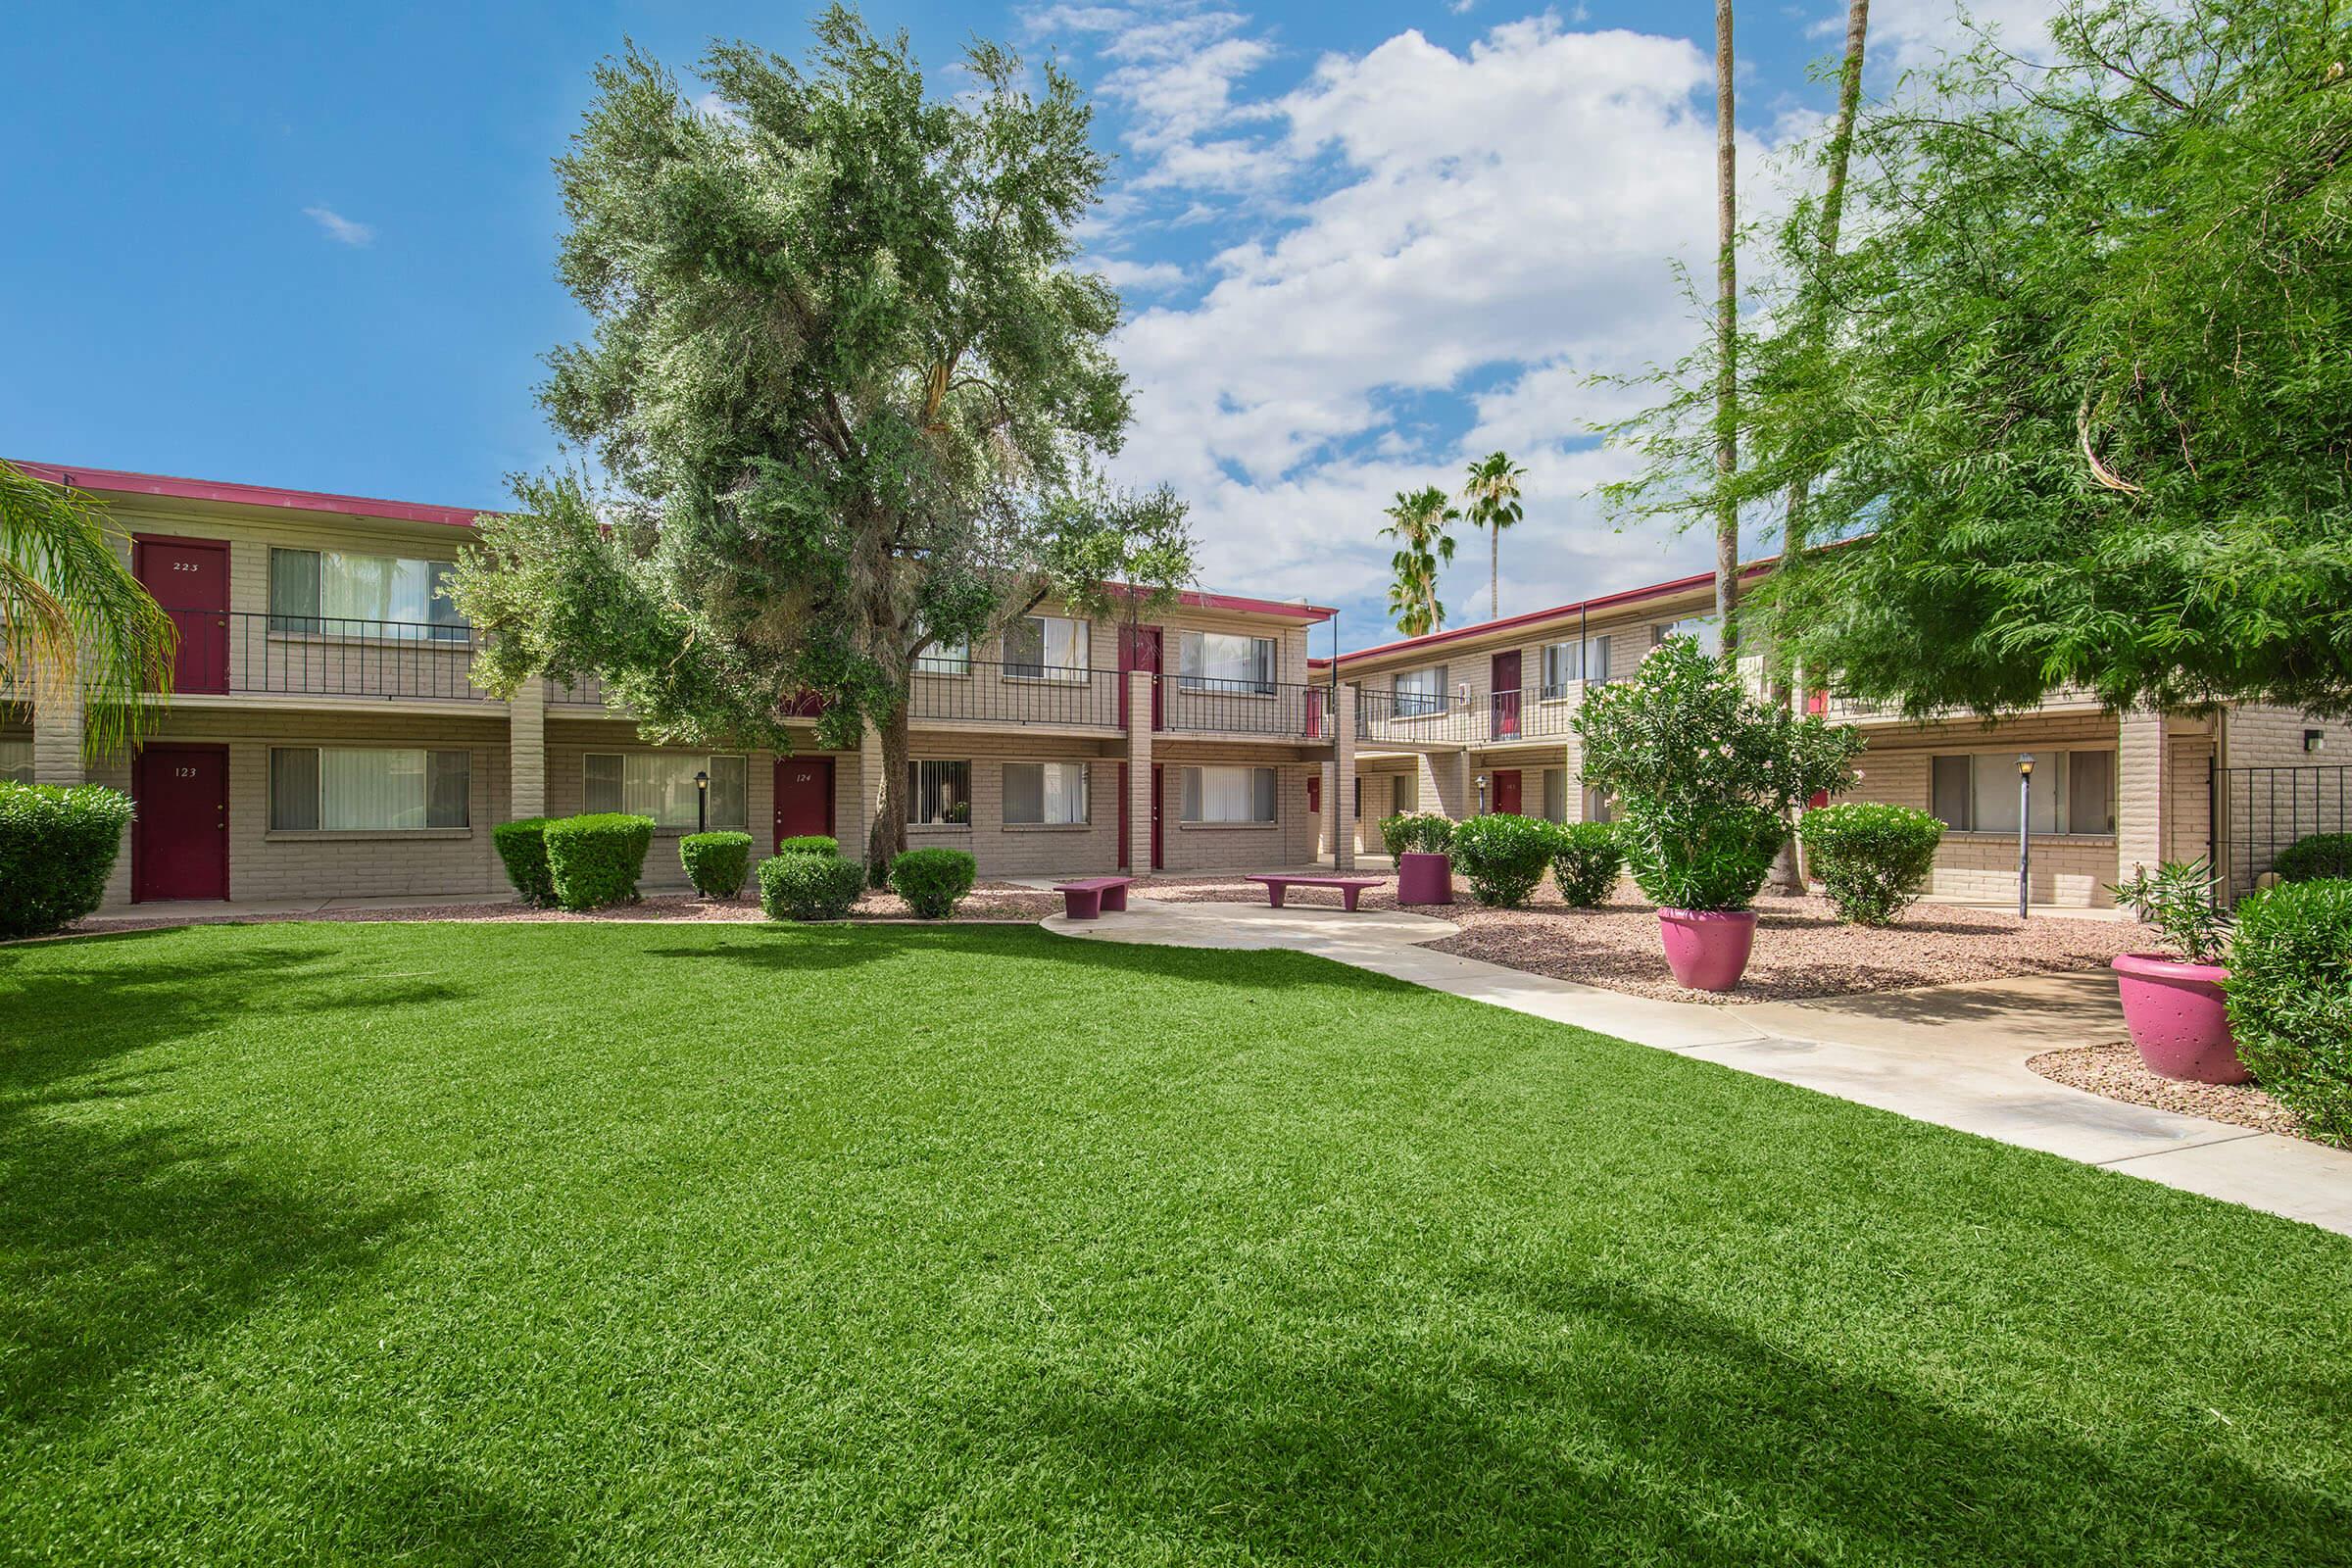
<point x="324" y="737"/>
<point x="1479" y="717"/>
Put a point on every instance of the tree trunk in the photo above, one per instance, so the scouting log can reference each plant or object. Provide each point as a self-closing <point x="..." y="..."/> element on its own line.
<point x="1495" y="573"/>
<point x="887" y="839"/>
<point x="1727" y="333"/>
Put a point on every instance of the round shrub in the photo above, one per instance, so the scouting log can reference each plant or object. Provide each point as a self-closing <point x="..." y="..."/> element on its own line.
<point x="1416" y="833"/>
<point x="810" y="844"/>
<point x="1586" y="859"/>
<point x="57" y="848"/>
<point x="1873" y="859"/>
<point x="1502" y="855"/>
<point x="595" y="860"/>
<point x="2290" y="1000"/>
<point x="933" y="881"/>
<point x="716" y="863"/>
<point x="523" y="848"/>
<point x="804" y="886"/>
<point x="2313" y="856"/>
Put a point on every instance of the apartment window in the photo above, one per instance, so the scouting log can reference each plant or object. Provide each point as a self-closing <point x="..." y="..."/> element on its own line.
<point x="946" y="658"/>
<point x="1045" y="794"/>
<point x="1596" y="805"/>
<point x="1232" y="794"/>
<point x="660" y="785"/>
<point x="336" y="592"/>
<point x="939" y="793"/>
<point x="1555" y="795"/>
<point x="1419" y="692"/>
<point x="1975" y="792"/>
<point x="1046" y="648"/>
<point x="1226" y="662"/>
<point x="359" y="789"/>
<point x="1404" y="793"/>
<point x="16" y="760"/>
<point x="1570" y="662"/>
<point x="1705" y="630"/>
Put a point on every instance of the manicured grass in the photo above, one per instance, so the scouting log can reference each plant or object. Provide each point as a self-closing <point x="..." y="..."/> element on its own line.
<point x="692" y="1244"/>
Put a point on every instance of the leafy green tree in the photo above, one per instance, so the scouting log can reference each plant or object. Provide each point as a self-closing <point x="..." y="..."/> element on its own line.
<point x="2080" y="376"/>
<point x="845" y="381"/>
<point x="1417" y="522"/>
<point x="73" y="619"/>
<point x="1492" y="493"/>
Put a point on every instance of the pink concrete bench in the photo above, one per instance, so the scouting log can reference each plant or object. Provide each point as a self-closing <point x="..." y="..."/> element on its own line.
<point x="1351" y="888"/>
<point x="1086" y="898"/>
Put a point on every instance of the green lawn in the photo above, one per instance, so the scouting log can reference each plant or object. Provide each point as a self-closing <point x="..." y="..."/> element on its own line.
<point x="685" y="1244"/>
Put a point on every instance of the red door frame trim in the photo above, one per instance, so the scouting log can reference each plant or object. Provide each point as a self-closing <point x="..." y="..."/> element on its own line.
<point x="139" y="822"/>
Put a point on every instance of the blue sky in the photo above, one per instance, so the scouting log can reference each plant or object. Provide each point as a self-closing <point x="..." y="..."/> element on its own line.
<point x="312" y="245"/>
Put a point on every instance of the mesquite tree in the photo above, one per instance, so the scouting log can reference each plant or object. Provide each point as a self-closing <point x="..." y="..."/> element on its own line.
<point x="844" y="384"/>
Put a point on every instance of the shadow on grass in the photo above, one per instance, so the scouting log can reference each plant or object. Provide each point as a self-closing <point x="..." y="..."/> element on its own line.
<point x="1619" y="1426"/>
<point x="429" y="1514"/>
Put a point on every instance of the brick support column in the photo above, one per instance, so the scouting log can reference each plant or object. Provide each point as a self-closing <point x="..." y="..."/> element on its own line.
<point x="57" y="742"/>
<point x="2142" y="794"/>
<point x="1339" y="798"/>
<point x="527" y="749"/>
<point x="1140" y="803"/>
<point x="1445" y="784"/>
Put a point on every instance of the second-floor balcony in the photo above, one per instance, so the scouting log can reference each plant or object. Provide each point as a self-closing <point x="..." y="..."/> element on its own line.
<point x="1024" y="694"/>
<point x="244" y="653"/>
<point x="1212" y="705"/>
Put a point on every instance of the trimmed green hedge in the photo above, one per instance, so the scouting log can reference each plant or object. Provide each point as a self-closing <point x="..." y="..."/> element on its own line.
<point x="1416" y="833"/>
<point x="805" y="886"/>
<point x="2313" y="856"/>
<point x="57" y="848"/>
<point x="2290" y="1000"/>
<point x="810" y="844"/>
<point x="596" y="860"/>
<point x="717" y="864"/>
<point x="1502" y="855"/>
<point x="1586" y="859"/>
<point x="1873" y="859"/>
<point x="933" y="881"/>
<point x="523" y="848"/>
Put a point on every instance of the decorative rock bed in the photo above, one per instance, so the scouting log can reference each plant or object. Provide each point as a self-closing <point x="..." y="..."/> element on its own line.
<point x="2117" y="1072"/>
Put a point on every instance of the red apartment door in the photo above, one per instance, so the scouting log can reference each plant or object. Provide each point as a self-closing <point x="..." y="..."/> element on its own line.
<point x="804" y="797"/>
<point x="1140" y="651"/>
<point x="1502" y="692"/>
<point x="179" y="840"/>
<point x="1507" y="790"/>
<point x="189" y="578"/>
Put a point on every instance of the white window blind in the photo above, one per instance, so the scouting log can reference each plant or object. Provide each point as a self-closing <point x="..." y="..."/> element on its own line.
<point x="1230" y="793"/>
<point x="660" y="785"/>
<point x="938" y="792"/>
<point x="341" y="593"/>
<point x="1976" y="792"/>
<point x="367" y="789"/>
<point x="1045" y="794"/>
<point x="16" y="760"/>
<point x="1226" y="662"/>
<point x="1046" y="648"/>
<point x="1420" y="691"/>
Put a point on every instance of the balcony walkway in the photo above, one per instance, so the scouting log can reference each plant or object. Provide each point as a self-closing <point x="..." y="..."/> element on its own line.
<point x="1954" y="1055"/>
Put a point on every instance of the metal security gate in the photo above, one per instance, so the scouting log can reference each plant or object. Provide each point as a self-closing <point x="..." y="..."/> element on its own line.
<point x="2268" y="808"/>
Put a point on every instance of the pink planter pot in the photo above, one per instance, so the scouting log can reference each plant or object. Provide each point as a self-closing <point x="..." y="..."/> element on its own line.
<point x="1424" y="878"/>
<point x="1707" y="949"/>
<point x="2174" y="1013"/>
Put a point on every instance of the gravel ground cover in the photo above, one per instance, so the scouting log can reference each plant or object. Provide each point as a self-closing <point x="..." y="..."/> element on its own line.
<point x="1802" y="950"/>
<point x="2116" y="1071"/>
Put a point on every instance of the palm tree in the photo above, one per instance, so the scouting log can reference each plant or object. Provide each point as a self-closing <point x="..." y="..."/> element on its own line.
<point x="1418" y="520"/>
<point x="1493" y="491"/>
<point x="73" y="619"/>
<point x="1727" y="333"/>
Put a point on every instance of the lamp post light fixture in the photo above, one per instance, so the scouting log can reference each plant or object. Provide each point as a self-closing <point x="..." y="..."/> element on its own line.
<point x="701" y="801"/>
<point x="1482" y="794"/>
<point x="2025" y="828"/>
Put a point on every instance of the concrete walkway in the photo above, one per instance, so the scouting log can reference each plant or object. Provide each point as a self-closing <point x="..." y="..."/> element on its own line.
<point x="1950" y="1055"/>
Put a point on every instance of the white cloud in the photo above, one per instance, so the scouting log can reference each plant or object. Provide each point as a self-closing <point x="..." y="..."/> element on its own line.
<point x="1140" y="276"/>
<point x="342" y="230"/>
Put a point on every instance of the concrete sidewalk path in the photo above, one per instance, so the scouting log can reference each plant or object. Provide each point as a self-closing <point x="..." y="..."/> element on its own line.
<point x="1954" y="1055"/>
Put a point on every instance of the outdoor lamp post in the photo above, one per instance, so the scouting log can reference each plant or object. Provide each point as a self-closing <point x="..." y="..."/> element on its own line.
<point x="701" y="801"/>
<point x="2024" y="827"/>
<point x="1482" y="794"/>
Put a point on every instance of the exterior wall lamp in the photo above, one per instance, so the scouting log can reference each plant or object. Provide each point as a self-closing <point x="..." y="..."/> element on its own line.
<point x="701" y="801"/>
<point x="1482" y="794"/>
<point x="2025" y="828"/>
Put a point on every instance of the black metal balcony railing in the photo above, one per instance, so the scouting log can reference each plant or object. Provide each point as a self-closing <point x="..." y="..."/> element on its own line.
<point x="1422" y="718"/>
<point x="324" y="655"/>
<point x="588" y="691"/>
<point x="978" y="692"/>
<point x="1216" y="705"/>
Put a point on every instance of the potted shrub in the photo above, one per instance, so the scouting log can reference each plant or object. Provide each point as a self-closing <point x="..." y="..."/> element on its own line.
<point x="1503" y="855"/>
<point x="1419" y="841"/>
<point x="1704" y="775"/>
<point x="2173" y="1004"/>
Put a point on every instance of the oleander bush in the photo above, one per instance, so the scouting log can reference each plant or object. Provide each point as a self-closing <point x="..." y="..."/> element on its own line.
<point x="933" y="881"/>
<point x="810" y="844"/>
<point x="523" y="848"/>
<point x="58" y="845"/>
<point x="2315" y="857"/>
<point x="2290" y="1000"/>
<point x="807" y="886"/>
<point x="1873" y="859"/>
<point x="1416" y="833"/>
<point x="717" y="864"/>
<point x="596" y="860"/>
<point x="1502" y="855"/>
<point x="1586" y="859"/>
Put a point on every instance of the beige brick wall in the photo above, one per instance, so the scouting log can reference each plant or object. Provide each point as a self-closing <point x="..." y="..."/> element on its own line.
<point x="1290" y="840"/>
